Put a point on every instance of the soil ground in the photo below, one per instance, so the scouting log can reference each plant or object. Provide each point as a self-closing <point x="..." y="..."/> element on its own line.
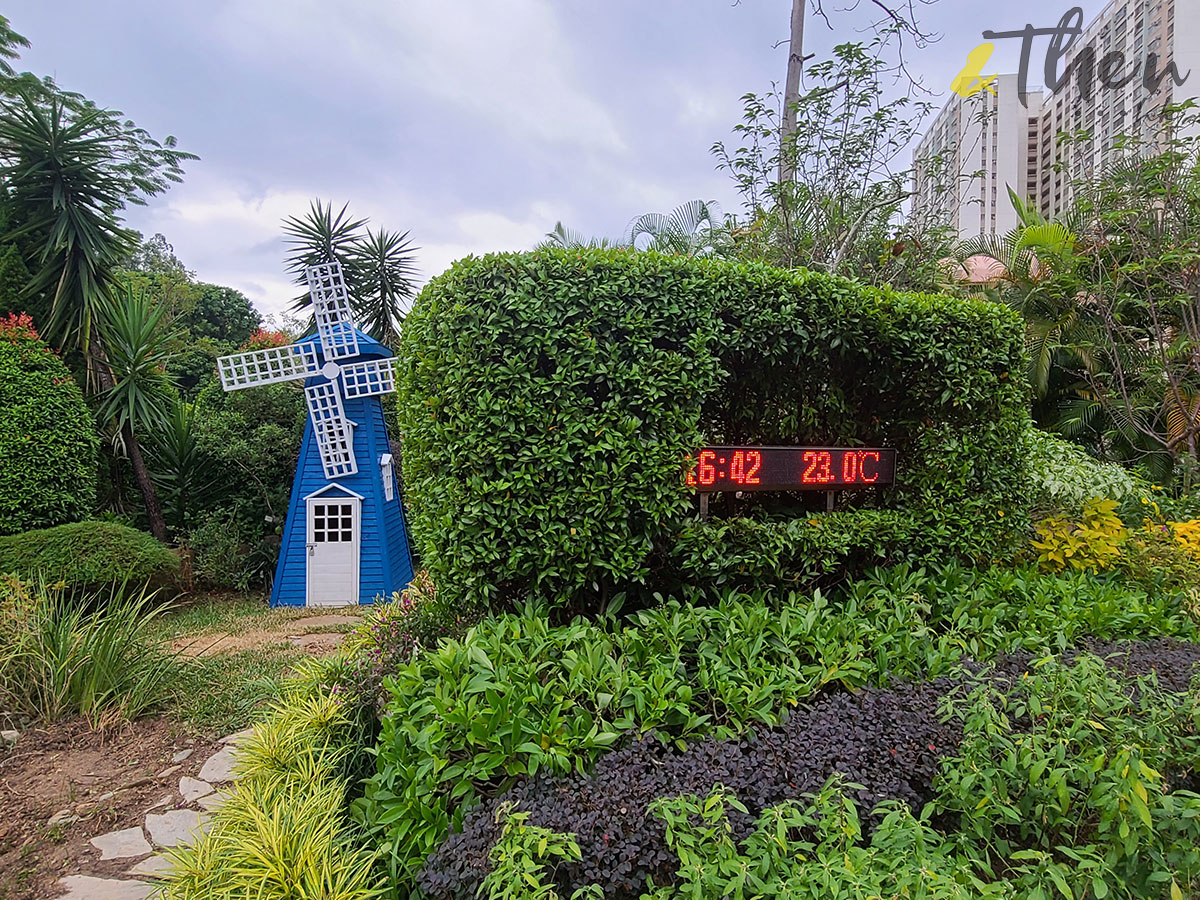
<point x="111" y="779"/>
<point x="108" y="779"/>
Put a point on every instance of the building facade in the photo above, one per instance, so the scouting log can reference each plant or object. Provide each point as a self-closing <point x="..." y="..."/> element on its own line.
<point x="976" y="149"/>
<point x="1116" y="79"/>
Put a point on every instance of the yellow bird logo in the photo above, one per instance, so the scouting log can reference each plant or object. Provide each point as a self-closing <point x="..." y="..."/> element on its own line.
<point x="970" y="81"/>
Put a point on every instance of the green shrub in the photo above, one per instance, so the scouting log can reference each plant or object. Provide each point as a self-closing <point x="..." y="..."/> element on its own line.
<point x="549" y="401"/>
<point x="283" y="832"/>
<point x="226" y="553"/>
<point x="88" y="554"/>
<point x="1064" y="476"/>
<point x="517" y="696"/>
<point x="414" y="621"/>
<point x="1069" y="779"/>
<point x="1092" y="543"/>
<point x="518" y="867"/>
<point x="814" y="850"/>
<point x="58" y="659"/>
<point x="48" y="444"/>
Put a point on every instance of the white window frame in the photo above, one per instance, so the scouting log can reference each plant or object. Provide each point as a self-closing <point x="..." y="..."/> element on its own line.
<point x="387" y="471"/>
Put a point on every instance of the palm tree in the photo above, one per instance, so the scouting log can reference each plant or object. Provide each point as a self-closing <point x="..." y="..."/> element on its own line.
<point x="70" y="168"/>
<point x="1033" y="270"/>
<point x="385" y="272"/>
<point x="140" y="393"/>
<point x="321" y="236"/>
<point x="569" y="239"/>
<point x="181" y="468"/>
<point x="690" y="229"/>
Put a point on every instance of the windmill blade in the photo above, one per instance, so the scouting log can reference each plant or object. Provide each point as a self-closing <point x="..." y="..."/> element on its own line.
<point x="369" y="378"/>
<point x="331" y="309"/>
<point x="334" y="432"/>
<point x="290" y="363"/>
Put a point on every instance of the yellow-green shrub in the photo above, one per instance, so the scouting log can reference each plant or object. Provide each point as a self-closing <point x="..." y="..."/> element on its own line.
<point x="1093" y="542"/>
<point x="284" y="832"/>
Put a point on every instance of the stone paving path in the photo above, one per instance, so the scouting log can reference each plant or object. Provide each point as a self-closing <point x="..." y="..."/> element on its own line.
<point x="162" y="829"/>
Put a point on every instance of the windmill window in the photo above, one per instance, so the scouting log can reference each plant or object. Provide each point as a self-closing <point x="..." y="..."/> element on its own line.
<point x="387" y="470"/>
<point x="332" y="522"/>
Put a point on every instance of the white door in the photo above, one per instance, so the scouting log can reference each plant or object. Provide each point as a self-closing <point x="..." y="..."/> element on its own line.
<point x="333" y="540"/>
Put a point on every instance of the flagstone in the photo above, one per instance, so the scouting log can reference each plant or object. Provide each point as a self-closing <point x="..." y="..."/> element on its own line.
<point x="120" y="844"/>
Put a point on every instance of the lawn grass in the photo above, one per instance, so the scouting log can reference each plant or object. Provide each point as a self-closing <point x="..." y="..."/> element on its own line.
<point x="218" y="691"/>
<point x="217" y="695"/>
<point x="197" y="614"/>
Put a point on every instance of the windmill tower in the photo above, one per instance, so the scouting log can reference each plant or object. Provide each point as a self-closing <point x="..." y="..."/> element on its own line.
<point x="344" y="541"/>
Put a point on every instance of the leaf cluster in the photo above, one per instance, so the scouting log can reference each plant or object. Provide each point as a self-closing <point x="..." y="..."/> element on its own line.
<point x="48" y="444"/>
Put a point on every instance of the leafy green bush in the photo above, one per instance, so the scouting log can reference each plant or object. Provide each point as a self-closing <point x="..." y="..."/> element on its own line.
<point x="1064" y="476"/>
<point x="814" y="850"/>
<point x="1091" y="543"/>
<point x="283" y="832"/>
<point x="549" y="401"/>
<point x="48" y="444"/>
<point x="1068" y="779"/>
<point x="517" y="696"/>
<point x="58" y="659"/>
<point x="88" y="554"/>
<point x="413" y="621"/>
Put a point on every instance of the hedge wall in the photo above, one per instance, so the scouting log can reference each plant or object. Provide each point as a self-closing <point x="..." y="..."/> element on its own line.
<point x="48" y="445"/>
<point x="548" y="401"/>
<point x="88" y="555"/>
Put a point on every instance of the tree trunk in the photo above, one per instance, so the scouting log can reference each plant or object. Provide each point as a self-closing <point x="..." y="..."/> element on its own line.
<point x="158" y="525"/>
<point x="791" y="92"/>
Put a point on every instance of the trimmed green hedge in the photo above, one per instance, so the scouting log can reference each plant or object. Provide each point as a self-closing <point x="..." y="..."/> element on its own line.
<point x="88" y="554"/>
<point x="48" y="444"/>
<point x="548" y="401"/>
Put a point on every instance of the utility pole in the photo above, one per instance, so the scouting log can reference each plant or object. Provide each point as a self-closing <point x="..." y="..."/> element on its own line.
<point x="791" y="91"/>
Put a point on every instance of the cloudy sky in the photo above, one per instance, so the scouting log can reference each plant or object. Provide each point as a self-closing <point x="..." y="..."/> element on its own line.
<point x="473" y="124"/>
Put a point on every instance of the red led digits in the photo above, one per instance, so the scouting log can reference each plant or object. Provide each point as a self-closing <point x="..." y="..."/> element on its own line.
<point x="715" y="469"/>
<point x="850" y="467"/>
<point x="819" y="468"/>
<point x="708" y="472"/>
<point x="754" y="460"/>
<point x="862" y="465"/>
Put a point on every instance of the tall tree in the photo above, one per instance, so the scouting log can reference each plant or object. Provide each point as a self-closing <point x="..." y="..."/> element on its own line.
<point x="71" y="172"/>
<point x="897" y="17"/>
<point x="321" y="236"/>
<point x="140" y="395"/>
<point x="379" y="266"/>
<point x="791" y="89"/>
<point x="841" y="211"/>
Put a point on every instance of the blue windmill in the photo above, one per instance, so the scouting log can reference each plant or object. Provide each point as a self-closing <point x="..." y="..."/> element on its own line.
<point x="344" y="541"/>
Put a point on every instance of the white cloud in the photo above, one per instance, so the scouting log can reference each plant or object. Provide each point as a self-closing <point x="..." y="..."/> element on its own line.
<point x="507" y="64"/>
<point x="232" y="236"/>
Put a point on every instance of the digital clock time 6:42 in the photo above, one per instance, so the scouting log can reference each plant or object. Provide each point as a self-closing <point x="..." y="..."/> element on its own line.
<point x="791" y="468"/>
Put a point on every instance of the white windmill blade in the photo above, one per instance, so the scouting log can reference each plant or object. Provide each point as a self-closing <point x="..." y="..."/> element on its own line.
<point x="369" y="378"/>
<point x="334" y="432"/>
<point x="289" y="363"/>
<point x="331" y="309"/>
